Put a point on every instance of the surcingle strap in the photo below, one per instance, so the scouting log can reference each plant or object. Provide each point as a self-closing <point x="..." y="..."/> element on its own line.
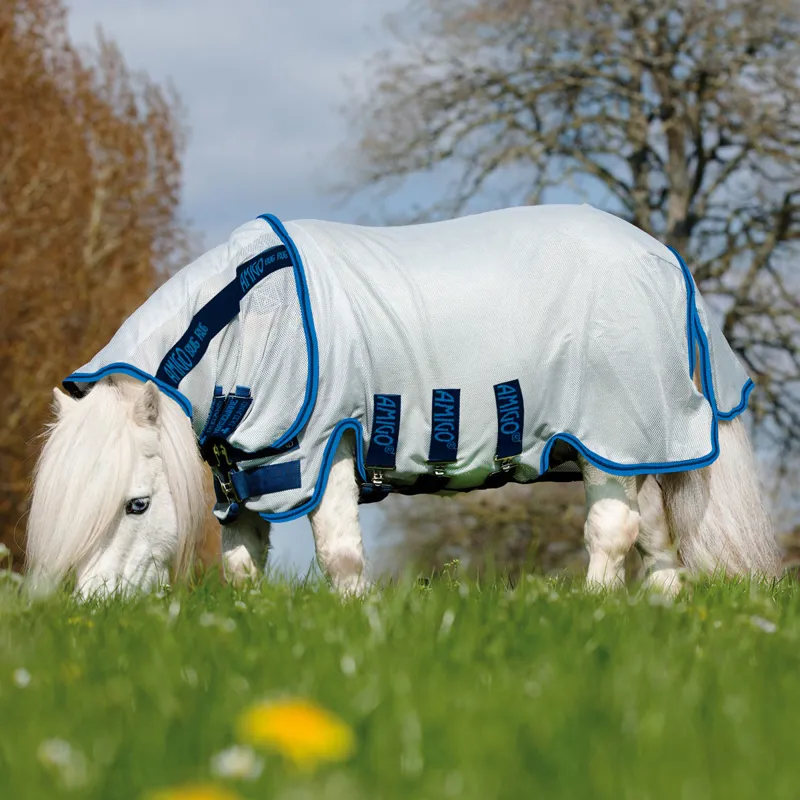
<point x="445" y="413"/>
<point x="226" y="413"/>
<point x="510" y="421"/>
<point x="268" y="479"/>
<point x="382" y="451"/>
<point x="385" y="435"/>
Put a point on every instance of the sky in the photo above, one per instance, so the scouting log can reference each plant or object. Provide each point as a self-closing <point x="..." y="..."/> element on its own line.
<point x="262" y="82"/>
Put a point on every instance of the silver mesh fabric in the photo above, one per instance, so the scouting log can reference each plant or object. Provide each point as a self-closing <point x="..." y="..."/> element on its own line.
<point x="587" y="312"/>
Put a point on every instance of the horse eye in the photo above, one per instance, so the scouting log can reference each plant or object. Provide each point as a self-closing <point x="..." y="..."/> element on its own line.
<point x="137" y="506"/>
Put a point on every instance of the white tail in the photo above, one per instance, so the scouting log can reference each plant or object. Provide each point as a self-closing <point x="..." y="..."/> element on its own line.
<point x="717" y="514"/>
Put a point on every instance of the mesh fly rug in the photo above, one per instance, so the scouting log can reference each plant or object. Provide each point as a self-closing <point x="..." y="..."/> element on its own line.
<point x="461" y="354"/>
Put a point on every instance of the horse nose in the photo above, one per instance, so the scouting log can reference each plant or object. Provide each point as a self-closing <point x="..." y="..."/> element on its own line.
<point x="94" y="586"/>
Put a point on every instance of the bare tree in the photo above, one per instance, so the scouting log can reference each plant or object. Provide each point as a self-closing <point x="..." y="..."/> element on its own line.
<point x="682" y="116"/>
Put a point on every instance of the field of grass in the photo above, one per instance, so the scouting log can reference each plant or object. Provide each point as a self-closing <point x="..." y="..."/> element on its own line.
<point x="449" y="691"/>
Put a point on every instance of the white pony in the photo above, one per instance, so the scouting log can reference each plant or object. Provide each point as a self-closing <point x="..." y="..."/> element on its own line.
<point x="119" y="491"/>
<point x="575" y="343"/>
<point x="119" y="499"/>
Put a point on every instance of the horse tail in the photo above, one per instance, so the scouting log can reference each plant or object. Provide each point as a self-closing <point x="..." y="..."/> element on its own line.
<point x="717" y="516"/>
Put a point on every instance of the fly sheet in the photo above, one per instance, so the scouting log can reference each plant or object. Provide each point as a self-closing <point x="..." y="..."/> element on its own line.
<point x="460" y="354"/>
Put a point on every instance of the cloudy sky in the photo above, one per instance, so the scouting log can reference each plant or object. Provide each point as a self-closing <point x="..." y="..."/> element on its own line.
<point x="262" y="82"/>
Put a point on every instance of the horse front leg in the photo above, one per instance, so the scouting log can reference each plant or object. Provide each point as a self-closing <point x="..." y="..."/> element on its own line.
<point x="612" y="524"/>
<point x="334" y="523"/>
<point x="245" y="544"/>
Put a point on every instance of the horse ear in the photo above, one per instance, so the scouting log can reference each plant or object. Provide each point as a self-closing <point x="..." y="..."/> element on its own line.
<point x="62" y="402"/>
<point x="147" y="405"/>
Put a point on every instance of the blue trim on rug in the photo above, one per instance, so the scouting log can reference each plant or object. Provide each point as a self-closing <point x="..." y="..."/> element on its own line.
<point x="324" y="471"/>
<point x="312" y="349"/>
<point x="691" y="308"/>
<point x="693" y="315"/>
<point x="122" y="368"/>
<point x="734" y="412"/>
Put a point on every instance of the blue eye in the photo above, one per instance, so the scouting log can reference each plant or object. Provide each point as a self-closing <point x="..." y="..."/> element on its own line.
<point x="138" y="505"/>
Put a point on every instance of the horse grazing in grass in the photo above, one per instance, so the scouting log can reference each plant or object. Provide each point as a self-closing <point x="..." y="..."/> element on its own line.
<point x="316" y="365"/>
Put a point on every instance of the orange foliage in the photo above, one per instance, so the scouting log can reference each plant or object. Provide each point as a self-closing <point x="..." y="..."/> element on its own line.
<point x="90" y="177"/>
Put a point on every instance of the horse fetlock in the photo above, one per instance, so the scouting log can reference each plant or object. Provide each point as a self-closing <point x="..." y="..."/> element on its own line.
<point x="351" y="585"/>
<point x="344" y="566"/>
<point x="605" y="572"/>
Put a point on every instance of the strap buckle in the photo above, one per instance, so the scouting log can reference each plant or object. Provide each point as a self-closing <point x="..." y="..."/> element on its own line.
<point x="377" y="477"/>
<point x="506" y="463"/>
<point x="222" y="472"/>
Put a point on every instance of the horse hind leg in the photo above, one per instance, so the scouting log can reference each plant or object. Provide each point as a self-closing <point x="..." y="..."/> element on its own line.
<point x="655" y="543"/>
<point x="612" y="524"/>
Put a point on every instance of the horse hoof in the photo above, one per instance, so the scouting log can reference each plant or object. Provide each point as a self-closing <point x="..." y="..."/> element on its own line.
<point x="666" y="581"/>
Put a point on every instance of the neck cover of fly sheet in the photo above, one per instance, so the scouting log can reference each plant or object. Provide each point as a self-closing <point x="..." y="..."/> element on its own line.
<point x="460" y="354"/>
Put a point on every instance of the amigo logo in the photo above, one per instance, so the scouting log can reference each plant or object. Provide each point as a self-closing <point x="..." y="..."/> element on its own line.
<point x="444" y="424"/>
<point x="387" y="422"/>
<point x="251" y="272"/>
<point x="182" y="358"/>
<point x="510" y="418"/>
<point x="445" y="429"/>
<point x="385" y="431"/>
<point x="509" y="411"/>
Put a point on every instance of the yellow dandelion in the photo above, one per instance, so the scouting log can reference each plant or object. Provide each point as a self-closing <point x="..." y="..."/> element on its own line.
<point x="200" y="791"/>
<point x="301" y="731"/>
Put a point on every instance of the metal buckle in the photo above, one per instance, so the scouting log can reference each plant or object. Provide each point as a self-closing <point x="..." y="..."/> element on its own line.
<point x="438" y="470"/>
<point x="377" y="477"/>
<point x="506" y="463"/>
<point x="223" y="471"/>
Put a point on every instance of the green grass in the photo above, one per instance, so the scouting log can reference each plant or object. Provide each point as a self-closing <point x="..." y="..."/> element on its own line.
<point x="452" y="691"/>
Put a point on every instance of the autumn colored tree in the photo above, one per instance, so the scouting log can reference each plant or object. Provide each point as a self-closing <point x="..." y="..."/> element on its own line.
<point x="90" y="176"/>
<point x="682" y="116"/>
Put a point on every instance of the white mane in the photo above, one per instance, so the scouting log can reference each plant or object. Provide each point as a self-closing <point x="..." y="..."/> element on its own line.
<point x="84" y="471"/>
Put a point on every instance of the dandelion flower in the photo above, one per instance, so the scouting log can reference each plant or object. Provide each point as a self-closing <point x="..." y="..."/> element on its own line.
<point x="302" y="732"/>
<point x="200" y="791"/>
